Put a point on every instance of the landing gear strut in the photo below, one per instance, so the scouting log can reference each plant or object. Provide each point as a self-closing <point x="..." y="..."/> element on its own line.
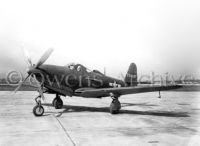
<point x="159" y="96"/>
<point x="115" y="105"/>
<point x="57" y="102"/>
<point x="38" y="110"/>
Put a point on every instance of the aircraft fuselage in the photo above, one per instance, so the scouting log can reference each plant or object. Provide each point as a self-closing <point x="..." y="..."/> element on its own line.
<point x="63" y="78"/>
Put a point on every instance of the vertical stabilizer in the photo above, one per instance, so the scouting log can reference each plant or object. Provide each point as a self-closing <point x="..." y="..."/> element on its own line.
<point x="131" y="76"/>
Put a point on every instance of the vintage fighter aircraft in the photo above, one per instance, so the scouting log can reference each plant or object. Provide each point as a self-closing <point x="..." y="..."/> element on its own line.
<point x="77" y="80"/>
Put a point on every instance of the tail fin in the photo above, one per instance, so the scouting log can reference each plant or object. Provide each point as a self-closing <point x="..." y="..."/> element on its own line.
<point x="131" y="76"/>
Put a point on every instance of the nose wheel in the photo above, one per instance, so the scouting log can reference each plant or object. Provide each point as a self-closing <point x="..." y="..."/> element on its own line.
<point x="57" y="102"/>
<point x="38" y="110"/>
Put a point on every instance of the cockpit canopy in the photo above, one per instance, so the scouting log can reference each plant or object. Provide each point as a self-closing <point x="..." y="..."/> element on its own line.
<point x="78" y="67"/>
<point x="98" y="72"/>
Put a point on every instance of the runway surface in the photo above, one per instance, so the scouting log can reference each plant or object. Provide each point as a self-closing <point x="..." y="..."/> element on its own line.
<point x="144" y="120"/>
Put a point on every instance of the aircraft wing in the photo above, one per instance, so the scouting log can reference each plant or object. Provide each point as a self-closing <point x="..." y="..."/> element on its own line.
<point x="103" y="92"/>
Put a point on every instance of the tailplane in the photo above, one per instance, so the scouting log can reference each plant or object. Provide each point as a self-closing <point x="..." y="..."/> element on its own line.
<point x="131" y="76"/>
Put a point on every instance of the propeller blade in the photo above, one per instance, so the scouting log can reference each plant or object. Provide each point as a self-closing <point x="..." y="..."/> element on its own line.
<point x="44" y="57"/>
<point x="19" y="86"/>
<point x="28" y="58"/>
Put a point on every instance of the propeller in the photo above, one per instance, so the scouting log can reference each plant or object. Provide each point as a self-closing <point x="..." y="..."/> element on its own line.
<point x="41" y="61"/>
<point x="28" y="58"/>
<point x="21" y="83"/>
<point x="44" y="57"/>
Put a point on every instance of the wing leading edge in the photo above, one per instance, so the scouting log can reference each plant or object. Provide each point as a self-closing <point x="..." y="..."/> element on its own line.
<point x="103" y="92"/>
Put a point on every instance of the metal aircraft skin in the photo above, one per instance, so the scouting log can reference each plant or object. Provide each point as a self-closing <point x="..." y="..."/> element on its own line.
<point x="77" y="80"/>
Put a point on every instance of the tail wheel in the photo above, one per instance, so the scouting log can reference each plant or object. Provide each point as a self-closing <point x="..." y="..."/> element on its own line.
<point x="57" y="103"/>
<point x="38" y="110"/>
<point x="115" y="106"/>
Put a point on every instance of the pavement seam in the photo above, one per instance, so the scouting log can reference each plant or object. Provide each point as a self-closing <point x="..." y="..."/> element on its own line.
<point x="66" y="133"/>
<point x="61" y="125"/>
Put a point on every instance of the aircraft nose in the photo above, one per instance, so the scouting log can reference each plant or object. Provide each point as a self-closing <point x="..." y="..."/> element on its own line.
<point x="31" y="70"/>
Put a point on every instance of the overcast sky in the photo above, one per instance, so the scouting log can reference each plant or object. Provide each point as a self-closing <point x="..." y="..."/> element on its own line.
<point x="160" y="36"/>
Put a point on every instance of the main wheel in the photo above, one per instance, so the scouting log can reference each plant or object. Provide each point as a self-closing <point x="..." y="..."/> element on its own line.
<point x="38" y="110"/>
<point x="115" y="106"/>
<point x="57" y="103"/>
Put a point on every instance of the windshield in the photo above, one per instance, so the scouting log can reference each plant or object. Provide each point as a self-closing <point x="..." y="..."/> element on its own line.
<point x="77" y="66"/>
<point x="70" y="64"/>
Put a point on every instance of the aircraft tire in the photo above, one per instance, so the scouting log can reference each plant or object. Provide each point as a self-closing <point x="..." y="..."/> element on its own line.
<point x="57" y="103"/>
<point x="38" y="110"/>
<point x="115" y="106"/>
<point x="53" y="102"/>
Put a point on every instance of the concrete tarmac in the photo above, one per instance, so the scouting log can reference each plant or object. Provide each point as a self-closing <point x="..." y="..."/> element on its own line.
<point x="144" y="120"/>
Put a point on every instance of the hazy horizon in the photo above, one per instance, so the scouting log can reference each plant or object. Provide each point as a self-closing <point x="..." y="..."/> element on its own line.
<point x="159" y="36"/>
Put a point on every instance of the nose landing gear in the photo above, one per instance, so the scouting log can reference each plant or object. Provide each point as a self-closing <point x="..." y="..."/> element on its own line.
<point x="38" y="110"/>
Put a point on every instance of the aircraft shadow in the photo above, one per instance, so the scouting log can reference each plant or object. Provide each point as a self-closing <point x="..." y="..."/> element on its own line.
<point x="137" y="104"/>
<point x="73" y="108"/>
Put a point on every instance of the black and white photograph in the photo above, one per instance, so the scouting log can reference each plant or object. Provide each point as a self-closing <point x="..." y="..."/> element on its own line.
<point x="99" y="73"/>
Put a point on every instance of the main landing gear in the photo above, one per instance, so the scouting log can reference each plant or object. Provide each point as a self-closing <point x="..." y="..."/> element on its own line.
<point x="115" y="105"/>
<point x="159" y="96"/>
<point x="38" y="110"/>
<point x="57" y="102"/>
